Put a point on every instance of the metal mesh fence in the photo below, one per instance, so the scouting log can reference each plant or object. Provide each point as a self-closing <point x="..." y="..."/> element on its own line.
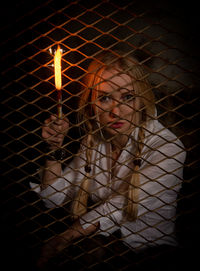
<point x="164" y="37"/>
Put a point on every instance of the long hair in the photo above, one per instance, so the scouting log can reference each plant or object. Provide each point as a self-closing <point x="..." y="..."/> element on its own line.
<point x="127" y="65"/>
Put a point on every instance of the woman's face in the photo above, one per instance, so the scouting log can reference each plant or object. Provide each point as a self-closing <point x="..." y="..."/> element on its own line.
<point x="116" y="106"/>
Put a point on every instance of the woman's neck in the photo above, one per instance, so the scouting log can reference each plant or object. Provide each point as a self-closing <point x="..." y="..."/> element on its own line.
<point x="118" y="143"/>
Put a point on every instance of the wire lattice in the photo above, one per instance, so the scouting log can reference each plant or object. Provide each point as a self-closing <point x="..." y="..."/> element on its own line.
<point x="83" y="29"/>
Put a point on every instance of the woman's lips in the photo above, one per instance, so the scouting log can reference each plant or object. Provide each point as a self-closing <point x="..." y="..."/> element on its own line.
<point x="116" y="125"/>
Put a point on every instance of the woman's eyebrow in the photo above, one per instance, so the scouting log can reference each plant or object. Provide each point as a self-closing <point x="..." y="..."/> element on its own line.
<point x="103" y="92"/>
<point x="125" y="91"/>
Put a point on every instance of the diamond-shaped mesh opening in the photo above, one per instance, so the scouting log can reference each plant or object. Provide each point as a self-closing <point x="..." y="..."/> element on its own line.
<point x="166" y="45"/>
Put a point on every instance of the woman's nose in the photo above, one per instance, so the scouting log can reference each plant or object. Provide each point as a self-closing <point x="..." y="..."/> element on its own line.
<point x="115" y="110"/>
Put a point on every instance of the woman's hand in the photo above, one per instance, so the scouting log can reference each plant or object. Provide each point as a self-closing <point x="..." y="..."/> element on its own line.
<point x="58" y="243"/>
<point x="49" y="250"/>
<point x="54" y="131"/>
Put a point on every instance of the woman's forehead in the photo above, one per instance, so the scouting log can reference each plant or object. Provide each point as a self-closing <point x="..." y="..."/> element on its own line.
<point x="114" y="79"/>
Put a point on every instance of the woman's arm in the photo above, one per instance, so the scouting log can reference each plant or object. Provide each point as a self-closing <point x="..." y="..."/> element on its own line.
<point x="61" y="185"/>
<point x="53" y="133"/>
<point x="52" y="171"/>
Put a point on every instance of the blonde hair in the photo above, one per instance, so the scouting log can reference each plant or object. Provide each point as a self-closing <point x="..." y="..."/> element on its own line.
<point x="128" y="65"/>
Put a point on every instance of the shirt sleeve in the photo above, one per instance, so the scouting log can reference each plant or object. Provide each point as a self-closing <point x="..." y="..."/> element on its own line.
<point x="161" y="180"/>
<point x="65" y="187"/>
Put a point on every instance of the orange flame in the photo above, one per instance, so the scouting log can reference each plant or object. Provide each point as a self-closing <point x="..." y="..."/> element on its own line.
<point x="57" y="68"/>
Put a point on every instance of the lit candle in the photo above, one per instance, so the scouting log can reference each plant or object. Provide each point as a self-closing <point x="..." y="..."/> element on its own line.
<point x="58" y="79"/>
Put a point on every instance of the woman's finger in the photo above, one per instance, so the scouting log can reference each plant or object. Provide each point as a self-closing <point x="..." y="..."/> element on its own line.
<point x="48" y="132"/>
<point x="54" y="140"/>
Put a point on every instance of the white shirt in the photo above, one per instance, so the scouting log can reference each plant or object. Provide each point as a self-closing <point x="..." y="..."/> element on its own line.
<point x="161" y="174"/>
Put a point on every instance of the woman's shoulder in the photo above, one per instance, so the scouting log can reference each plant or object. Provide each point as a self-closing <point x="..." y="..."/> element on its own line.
<point x="161" y="139"/>
<point x="157" y="134"/>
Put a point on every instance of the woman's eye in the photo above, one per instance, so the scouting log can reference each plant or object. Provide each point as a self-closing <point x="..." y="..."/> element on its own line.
<point x="104" y="99"/>
<point x="128" y="97"/>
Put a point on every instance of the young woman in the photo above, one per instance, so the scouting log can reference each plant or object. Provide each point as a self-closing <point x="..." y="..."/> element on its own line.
<point x="128" y="164"/>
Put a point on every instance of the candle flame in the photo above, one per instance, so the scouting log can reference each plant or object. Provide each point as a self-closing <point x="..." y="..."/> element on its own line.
<point x="57" y="67"/>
